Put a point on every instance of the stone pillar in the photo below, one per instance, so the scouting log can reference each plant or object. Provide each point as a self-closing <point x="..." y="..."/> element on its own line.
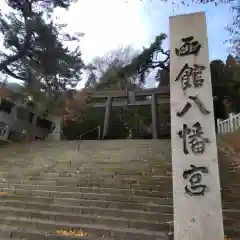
<point x="107" y="117"/>
<point x="196" y="185"/>
<point x="31" y="134"/>
<point x="154" y="117"/>
<point x="55" y="135"/>
<point x="131" y="97"/>
<point x="4" y="132"/>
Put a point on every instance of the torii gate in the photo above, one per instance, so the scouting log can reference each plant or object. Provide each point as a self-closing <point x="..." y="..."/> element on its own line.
<point x="121" y="98"/>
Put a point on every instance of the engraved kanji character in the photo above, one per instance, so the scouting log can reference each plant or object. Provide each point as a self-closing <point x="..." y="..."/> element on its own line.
<point x="189" y="47"/>
<point x="195" y="72"/>
<point x="183" y="134"/>
<point x="185" y="74"/>
<point x="197" y="75"/>
<point x="194" y="175"/>
<point x="188" y="105"/>
<point x="194" y="137"/>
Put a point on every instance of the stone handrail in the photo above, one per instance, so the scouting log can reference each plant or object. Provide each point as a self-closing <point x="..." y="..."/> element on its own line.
<point x="80" y="136"/>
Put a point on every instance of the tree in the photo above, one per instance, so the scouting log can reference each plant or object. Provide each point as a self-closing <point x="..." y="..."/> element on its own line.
<point x="234" y="30"/>
<point x="106" y="73"/>
<point x="132" y="73"/>
<point x="123" y="72"/>
<point x="225" y="76"/>
<point x="34" y="48"/>
<point x="226" y="86"/>
<point x="152" y="58"/>
<point x="103" y="71"/>
<point x="102" y="74"/>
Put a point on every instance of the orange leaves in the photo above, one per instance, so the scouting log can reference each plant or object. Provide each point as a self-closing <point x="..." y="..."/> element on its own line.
<point x="3" y="193"/>
<point x="74" y="108"/>
<point x="4" y="92"/>
<point x="79" y="233"/>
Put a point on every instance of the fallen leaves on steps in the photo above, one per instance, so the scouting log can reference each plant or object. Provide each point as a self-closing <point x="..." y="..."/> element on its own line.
<point x="79" y="233"/>
<point x="3" y="193"/>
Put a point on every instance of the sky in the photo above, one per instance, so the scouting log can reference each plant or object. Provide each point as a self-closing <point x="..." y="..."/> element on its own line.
<point x="108" y="24"/>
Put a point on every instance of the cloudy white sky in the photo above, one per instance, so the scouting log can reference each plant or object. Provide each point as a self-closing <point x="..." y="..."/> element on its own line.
<point x="108" y="24"/>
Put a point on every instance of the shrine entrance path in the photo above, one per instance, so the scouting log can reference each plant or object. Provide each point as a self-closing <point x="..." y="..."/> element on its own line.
<point x="110" y="189"/>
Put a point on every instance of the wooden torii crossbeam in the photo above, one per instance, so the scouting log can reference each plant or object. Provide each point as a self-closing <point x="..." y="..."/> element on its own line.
<point x="137" y="97"/>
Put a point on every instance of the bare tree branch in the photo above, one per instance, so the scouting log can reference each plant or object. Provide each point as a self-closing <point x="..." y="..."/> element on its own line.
<point x="9" y="72"/>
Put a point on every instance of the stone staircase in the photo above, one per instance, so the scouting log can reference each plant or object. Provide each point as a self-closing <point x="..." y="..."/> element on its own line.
<point x="111" y="190"/>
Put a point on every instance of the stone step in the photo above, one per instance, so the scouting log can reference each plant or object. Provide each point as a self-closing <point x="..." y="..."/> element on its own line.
<point x="84" y="172"/>
<point x="230" y="197"/>
<point x="166" y="213"/>
<point x="99" y="207"/>
<point x="49" y="154"/>
<point x="96" y="178"/>
<point x="88" y="191"/>
<point x="3" y="238"/>
<point x="87" y="196"/>
<point x="152" y="180"/>
<point x="86" y="219"/>
<point x="231" y="213"/>
<point x="4" y="235"/>
<point x="151" y="207"/>
<point x="59" y="212"/>
<point x="114" y="191"/>
<point x="162" y="189"/>
<point x="14" y="233"/>
<point x="123" y="195"/>
<point x="70" y="156"/>
<point x="40" y="230"/>
<point x="231" y="205"/>
<point x="88" y="164"/>
<point x="91" y="146"/>
<point x="232" y="223"/>
<point x="8" y="238"/>
<point x="93" y="172"/>
<point x="132" y="184"/>
<point x="87" y="185"/>
<point x="75" y="183"/>
<point x="50" y="227"/>
<point x="233" y="234"/>
<point x="96" y="211"/>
